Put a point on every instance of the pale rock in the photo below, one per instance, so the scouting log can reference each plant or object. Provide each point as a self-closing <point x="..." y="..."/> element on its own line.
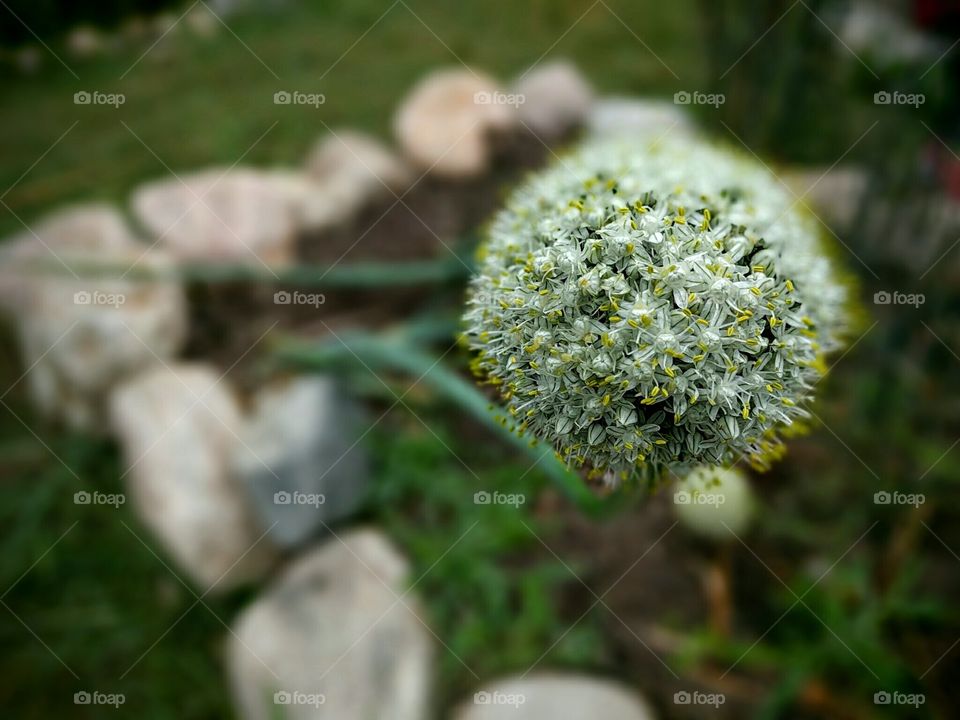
<point x="548" y="696"/>
<point x="178" y="428"/>
<point x="352" y="168"/>
<point x="331" y="629"/>
<point x="447" y="122"/>
<point x="835" y="194"/>
<point x="82" y="330"/>
<point x="344" y="172"/>
<point x="638" y="117"/>
<point x="554" y="98"/>
<point x="314" y="207"/>
<point x="235" y="215"/>
<point x="301" y="458"/>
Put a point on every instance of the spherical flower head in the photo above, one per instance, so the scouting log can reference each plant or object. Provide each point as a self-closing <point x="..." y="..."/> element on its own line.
<point x="651" y="307"/>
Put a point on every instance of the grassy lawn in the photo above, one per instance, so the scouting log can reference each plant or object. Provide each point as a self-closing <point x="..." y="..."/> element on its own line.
<point x="196" y="102"/>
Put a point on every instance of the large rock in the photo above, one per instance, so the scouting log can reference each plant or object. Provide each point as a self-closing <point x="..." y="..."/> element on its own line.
<point x="835" y="194"/>
<point x="81" y="332"/>
<point x="236" y="215"/>
<point x="359" y="161"/>
<point x="547" y="696"/>
<point x="554" y="98"/>
<point x="178" y="428"/>
<point x="348" y="170"/>
<point x="330" y="640"/>
<point x="639" y="117"/>
<point x="301" y="458"/>
<point x="448" y="122"/>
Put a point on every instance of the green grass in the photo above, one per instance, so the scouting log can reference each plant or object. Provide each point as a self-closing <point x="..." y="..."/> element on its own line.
<point x="196" y="102"/>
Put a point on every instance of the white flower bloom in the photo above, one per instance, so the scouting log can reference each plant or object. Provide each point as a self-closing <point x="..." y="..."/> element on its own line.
<point x="651" y="308"/>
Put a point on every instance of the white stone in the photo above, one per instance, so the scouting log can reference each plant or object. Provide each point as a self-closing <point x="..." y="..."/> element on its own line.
<point x="554" y="98"/>
<point x="331" y="627"/>
<point x="236" y="215"/>
<point x="715" y="502"/>
<point x="549" y="696"/>
<point x="835" y="194"/>
<point x="178" y="427"/>
<point x="82" y="333"/>
<point x="354" y="167"/>
<point x="301" y="458"/>
<point x="343" y="172"/>
<point x="639" y="117"/>
<point x="446" y="122"/>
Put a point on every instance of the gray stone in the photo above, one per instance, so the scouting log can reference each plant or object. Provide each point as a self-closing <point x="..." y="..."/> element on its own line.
<point x="548" y="696"/>
<point x="347" y="170"/>
<point x="555" y="99"/>
<point x="835" y="194"/>
<point x="301" y="457"/>
<point x="638" y="117"/>
<point x="178" y="428"/>
<point x="330" y="640"/>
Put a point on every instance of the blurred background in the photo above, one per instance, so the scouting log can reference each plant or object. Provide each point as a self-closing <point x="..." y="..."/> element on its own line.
<point x="245" y="469"/>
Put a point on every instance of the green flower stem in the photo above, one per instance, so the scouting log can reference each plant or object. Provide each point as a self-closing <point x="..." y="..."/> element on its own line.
<point x="376" y="352"/>
<point x="352" y="275"/>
